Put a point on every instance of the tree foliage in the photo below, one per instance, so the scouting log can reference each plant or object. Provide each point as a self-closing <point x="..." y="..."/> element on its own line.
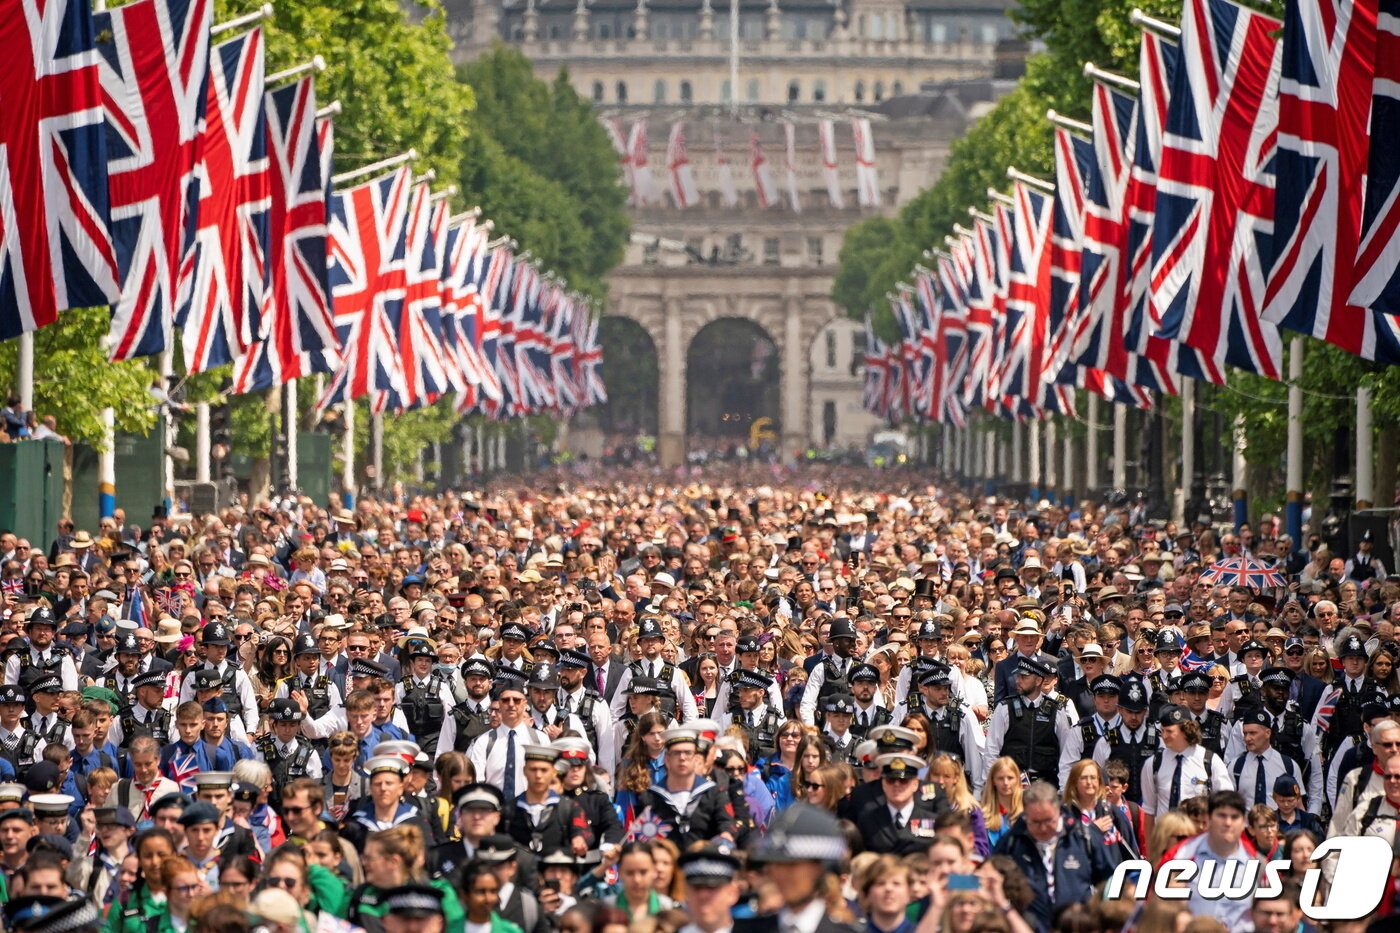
<point x="540" y="164"/>
<point x="879" y="252"/>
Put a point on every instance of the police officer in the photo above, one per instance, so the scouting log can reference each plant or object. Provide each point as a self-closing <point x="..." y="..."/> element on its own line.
<point x="424" y="694"/>
<point x="322" y="695"/>
<point x="120" y="677"/>
<point x="1194" y="690"/>
<point x="753" y="713"/>
<point x="1289" y="734"/>
<point x="839" y="709"/>
<point x="679" y="702"/>
<point x="807" y="841"/>
<point x="955" y="729"/>
<point x="746" y="656"/>
<point x="1242" y="692"/>
<point x="1347" y="696"/>
<point x="1029" y="728"/>
<point x="45" y="721"/>
<point x="289" y="756"/>
<point x="41" y="655"/>
<point x="830" y="675"/>
<point x="543" y="694"/>
<point x="237" y="689"/>
<point x="576" y="697"/>
<point x="147" y="714"/>
<point x="870" y="704"/>
<point x="1133" y="739"/>
<point x="1103" y="691"/>
<point x="472" y="716"/>
<point x="929" y="640"/>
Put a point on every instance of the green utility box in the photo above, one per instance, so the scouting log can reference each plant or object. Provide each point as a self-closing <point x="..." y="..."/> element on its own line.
<point x="31" y="490"/>
<point x="84" y="507"/>
<point x="314" y="466"/>
<point x="141" y="474"/>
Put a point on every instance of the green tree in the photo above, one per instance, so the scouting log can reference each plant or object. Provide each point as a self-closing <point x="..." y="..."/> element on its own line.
<point x="73" y="380"/>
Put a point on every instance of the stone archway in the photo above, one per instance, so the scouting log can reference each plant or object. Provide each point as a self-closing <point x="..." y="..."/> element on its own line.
<point x="732" y="383"/>
<point x="631" y="373"/>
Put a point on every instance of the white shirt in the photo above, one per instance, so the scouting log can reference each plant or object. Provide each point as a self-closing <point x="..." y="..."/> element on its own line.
<point x="489" y="757"/>
<point x="805" y="920"/>
<point x="1157" y="786"/>
<point x="902" y="815"/>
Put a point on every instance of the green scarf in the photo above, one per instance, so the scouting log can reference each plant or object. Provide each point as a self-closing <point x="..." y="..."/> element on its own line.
<point x="653" y="904"/>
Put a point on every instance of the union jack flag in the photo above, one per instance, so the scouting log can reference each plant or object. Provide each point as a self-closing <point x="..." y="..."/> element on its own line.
<point x="182" y="770"/>
<point x="568" y="396"/>
<point x="367" y="279"/>
<point x="301" y="336"/>
<point x="155" y="74"/>
<point x="488" y="330"/>
<point x="1073" y="156"/>
<point x="1102" y="325"/>
<point x="13" y="587"/>
<point x="1215" y="196"/>
<point x="464" y="269"/>
<point x="1028" y="305"/>
<point x="1377" y="272"/>
<point x="980" y="300"/>
<point x="502" y="355"/>
<point x="950" y="322"/>
<point x="1325" y="93"/>
<point x="55" y="249"/>
<point x="1190" y="661"/>
<point x="876" y="372"/>
<point x="1157" y="61"/>
<point x="223" y="282"/>
<point x="589" y="360"/>
<point x="419" y="322"/>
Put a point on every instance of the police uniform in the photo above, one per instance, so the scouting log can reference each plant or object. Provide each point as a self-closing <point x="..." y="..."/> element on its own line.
<point x="1131" y="746"/>
<point x="590" y="708"/>
<point x="1170" y="777"/>
<point x="27" y="662"/>
<point x="829" y="676"/>
<point x="1032" y="732"/>
<point x="295" y="759"/>
<point x="1255" y="773"/>
<point x="763" y="721"/>
<point x="133" y="720"/>
<point x="724" y="697"/>
<point x="237" y="690"/>
<point x="1291" y="738"/>
<point x="840" y="748"/>
<point x="469" y="717"/>
<point x="876" y="714"/>
<point x="322" y="695"/>
<point x="955" y="729"/>
<point x="1089" y="729"/>
<point x="656" y="668"/>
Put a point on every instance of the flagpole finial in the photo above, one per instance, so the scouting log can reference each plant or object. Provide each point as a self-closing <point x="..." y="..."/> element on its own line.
<point x="330" y="110"/>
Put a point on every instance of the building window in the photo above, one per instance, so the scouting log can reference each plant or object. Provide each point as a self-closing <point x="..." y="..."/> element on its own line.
<point x="892" y="27"/>
<point x="794" y="91"/>
<point x="877" y="26"/>
<point x="770" y="251"/>
<point x="604" y="31"/>
<point x="860" y="91"/>
<point x="879" y="91"/>
<point x="658" y="93"/>
<point x="622" y="92"/>
<point x="898" y="88"/>
<point x="685" y="92"/>
<point x="857" y="351"/>
<point x="651" y="253"/>
<point x="828" y="422"/>
<point x="814" y="250"/>
<point x="989" y="34"/>
<point x="831" y="349"/>
<point x="597" y="92"/>
<point x="726" y="92"/>
<point x="818" y="90"/>
<point x="752" y="91"/>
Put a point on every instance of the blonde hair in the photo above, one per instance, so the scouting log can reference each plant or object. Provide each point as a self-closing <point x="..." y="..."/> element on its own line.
<point x="991" y="808"/>
<point x="961" y="795"/>
<point x="1165" y="831"/>
<point x="1076" y="771"/>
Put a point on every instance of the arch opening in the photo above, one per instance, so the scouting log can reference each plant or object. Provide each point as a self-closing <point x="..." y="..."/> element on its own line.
<point x="631" y="374"/>
<point x="732" y="382"/>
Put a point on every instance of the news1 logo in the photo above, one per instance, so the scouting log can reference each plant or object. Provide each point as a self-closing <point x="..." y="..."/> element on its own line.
<point x="1358" y="884"/>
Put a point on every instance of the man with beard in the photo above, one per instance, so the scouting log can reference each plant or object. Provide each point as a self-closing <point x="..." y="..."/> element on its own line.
<point x="121" y="678"/>
<point x="1290" y="735"/>
<point x="830" y="676"/>
<point x="472" y="716"/>
<point x="870" y="704"/>
<point x="587" y="705"/>
<point x="1029" y="728"/>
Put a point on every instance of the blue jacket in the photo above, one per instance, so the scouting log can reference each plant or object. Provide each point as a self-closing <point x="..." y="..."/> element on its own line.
<point x="1079" y="866"/>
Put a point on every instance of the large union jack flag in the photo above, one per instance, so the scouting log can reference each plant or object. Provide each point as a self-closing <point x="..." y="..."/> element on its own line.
<point x="155" y="72"/>
<point x="222" y="285"/>
<point x="1215" y="188"/>
<point x="301" y="336"/>
<point x="367" y="233"/>
<point x="1028" y="306"/>
<point x="1157" y="62"/>
<point x="418" y="326"/>
<point x="1325" y="94"/>
<point x="55" y="247"/>
<point x="1377" y="272"/>
<point x="464" y="272"/>
<point x="1073" y="157"/>
<point x="1102" y="325"/>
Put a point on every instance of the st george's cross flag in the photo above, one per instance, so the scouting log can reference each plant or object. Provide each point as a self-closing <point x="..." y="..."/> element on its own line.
<point x="762" y="175"/>
<point x="679" y="170"/>
<point x="155" y="71"/>
<point x="55" y="248"/>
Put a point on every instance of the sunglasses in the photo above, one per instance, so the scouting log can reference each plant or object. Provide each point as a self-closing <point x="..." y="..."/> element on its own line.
<point x="815" y="785"/>
<point x="344" y="743"/>
<point x="275" y="882"/>
<point x="1294" y="652"/>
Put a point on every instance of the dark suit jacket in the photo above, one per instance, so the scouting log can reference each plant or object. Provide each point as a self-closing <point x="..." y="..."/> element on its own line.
<point x="768" y="923"/>
<point x="1310" y="691"/>
<point x="877" y="828"/>
<point x="1081" y="696"/>
<point x="614" y="674"/>
<point x="341" y="669"/>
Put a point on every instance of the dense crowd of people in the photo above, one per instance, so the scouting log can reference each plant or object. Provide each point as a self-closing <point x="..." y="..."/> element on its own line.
<point x="806" y="701"/>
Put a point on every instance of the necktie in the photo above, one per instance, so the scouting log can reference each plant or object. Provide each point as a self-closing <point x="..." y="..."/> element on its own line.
<point x="1259" y="795"/>
<point x="566" y="705"/>
<point x="508" y="779"/>
<point x="898" y="822"/>
<point x="599" y="679"/>
<point x="1176" y="782"/>
<point x="862" y="719"/>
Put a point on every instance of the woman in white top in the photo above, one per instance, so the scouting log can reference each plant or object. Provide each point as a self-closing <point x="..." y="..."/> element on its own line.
<point x="1201" y="771"/>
